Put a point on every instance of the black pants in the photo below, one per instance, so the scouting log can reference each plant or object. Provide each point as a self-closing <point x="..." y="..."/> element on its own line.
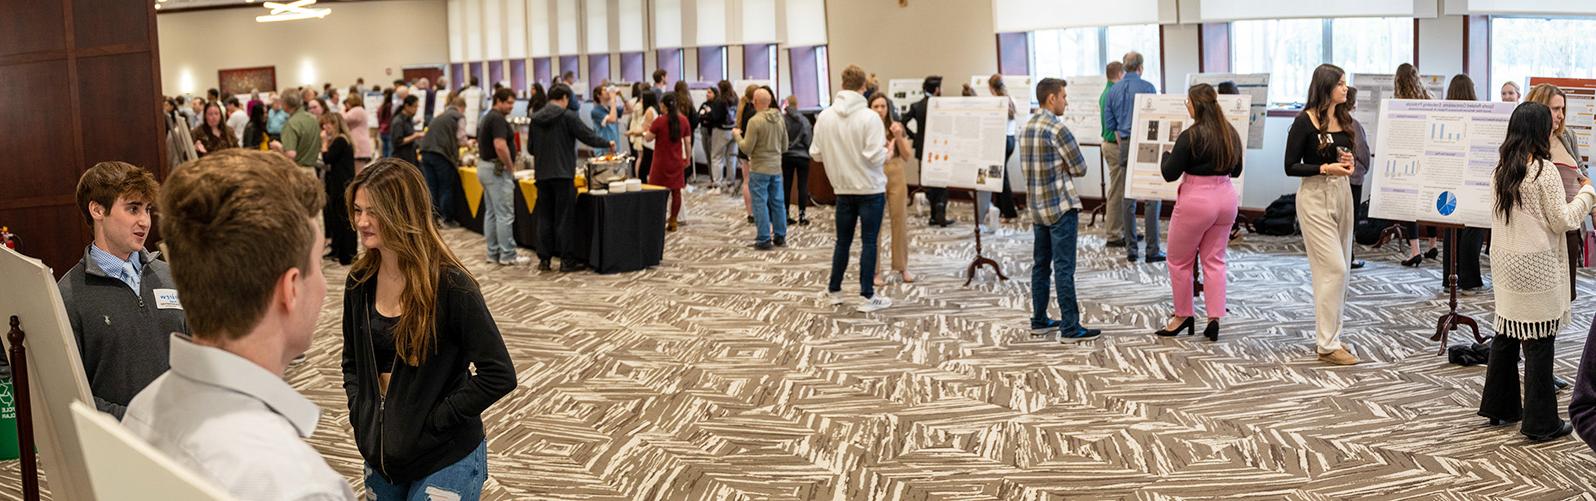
<point x="1576" y="252"/>
<point x="1500" y="398"/>
<point x="1469" y="243"/>
<point x="556" y="208"/>
<point x="938" y="199"/>
<point x="1005" y="199"/>
<point x="646" y="161"/>
<point x="336" y="213"/>
<point x="796" y="167"/>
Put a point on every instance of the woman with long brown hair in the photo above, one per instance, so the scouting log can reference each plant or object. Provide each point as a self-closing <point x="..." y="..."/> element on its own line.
<point x="213" y="135"/>
<point x="1208" y="154"/>
<point x="339" y="158"/>
<point x="1005" y="199"/>
<point x="1408" y="86"/>
<point x="415" y="324"/>
<point x="1319" y="150"/>
<point x="899" y="150"/>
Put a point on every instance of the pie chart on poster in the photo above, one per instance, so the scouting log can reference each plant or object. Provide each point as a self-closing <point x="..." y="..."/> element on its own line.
<point x="1446" y="204"/>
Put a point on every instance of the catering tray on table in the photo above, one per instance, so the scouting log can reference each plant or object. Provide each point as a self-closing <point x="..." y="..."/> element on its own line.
<point x="601" y="171"/>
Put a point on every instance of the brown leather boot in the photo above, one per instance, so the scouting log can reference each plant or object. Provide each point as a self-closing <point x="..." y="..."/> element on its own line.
<point x="670" y="224"/>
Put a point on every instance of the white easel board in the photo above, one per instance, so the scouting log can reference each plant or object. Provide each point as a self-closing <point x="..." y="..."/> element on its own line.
<point x="1580" y="109"/>
<point x="964" y="142"/>
<point x="119" y="462"/>
<point x="55" y="372"/>
<point x="1082" y="113"/>
<point x="1252" y="84"/>
<point x="1374" y="88"/>
<point x="1022" y="89"/>
<point x="1156" y="122"/>
<point x="905" y="92"/>
<point x="1436" y="160"/>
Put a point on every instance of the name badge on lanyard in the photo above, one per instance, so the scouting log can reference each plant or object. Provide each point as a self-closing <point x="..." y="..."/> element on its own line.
<point x="166" y="299"/>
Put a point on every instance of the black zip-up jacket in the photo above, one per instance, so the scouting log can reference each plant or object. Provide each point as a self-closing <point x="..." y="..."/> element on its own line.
<point x="432" y="415"/>
<point x="552" y="142"/>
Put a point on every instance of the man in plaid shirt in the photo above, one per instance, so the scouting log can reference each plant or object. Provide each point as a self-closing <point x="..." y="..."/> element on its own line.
<point x="1052" y="160"/>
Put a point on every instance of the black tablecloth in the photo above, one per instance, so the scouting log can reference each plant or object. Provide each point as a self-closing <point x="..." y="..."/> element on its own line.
<point x="621" y="232"/>
<point x="525" y="226"/>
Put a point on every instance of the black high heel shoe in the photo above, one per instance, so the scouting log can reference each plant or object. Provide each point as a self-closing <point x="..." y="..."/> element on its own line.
<point x="1212" y="330"/>
<point x="1432" y="253"/>
<point x="1189" y="326"/>
<point x="1414" y="261"/>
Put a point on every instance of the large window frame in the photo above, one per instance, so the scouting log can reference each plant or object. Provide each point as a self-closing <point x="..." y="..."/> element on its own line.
<point x="1106" y="43"/>
<point x="811" y="76"/>
<point x="1288" y="87"/>
<point x="712" y="64"/>
<point x="1537" y="47"/>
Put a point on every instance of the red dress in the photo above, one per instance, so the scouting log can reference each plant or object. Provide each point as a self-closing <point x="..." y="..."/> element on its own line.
<point x="670" y="161"/>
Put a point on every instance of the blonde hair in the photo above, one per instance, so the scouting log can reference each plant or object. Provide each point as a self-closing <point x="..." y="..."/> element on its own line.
<point x="400" y="204"/>
<point x="340" y="129"/>
<point x="1543" y="94"/>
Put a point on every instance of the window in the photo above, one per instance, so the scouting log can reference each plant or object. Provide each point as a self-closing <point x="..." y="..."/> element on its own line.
<point x="671" y="61"/>
<point x="712" y="65"/>
<point x="1290" y="49"/>
<point x="632" y="67"/>
<point x="759" y="61"/>
<point x="1069" y="52"/>
<point x="598" y="67"/>
<point x="1524" y="47"/>
<point x="811" y="75"/>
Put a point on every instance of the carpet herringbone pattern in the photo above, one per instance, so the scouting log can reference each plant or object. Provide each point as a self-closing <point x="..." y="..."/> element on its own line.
<point x="719" y="375"/>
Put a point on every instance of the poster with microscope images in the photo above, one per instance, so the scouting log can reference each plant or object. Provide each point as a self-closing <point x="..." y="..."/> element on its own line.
<point x="964" y="142"/>
<point x="1156" y="122"/>
<point x="1374" y="89"/>
<point x="1436" y="160"/>
<point x="1252" y="84"/>
<point x="905" y="92"/>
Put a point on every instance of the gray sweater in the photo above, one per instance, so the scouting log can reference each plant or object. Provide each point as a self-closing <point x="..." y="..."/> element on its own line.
<point x="123" y="339"/>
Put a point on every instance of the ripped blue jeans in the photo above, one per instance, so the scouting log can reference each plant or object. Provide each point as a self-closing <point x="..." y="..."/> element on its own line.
<point x="459" y="481"/>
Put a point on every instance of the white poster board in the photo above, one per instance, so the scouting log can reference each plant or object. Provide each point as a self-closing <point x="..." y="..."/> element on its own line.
<point x="1436" y="160"/>
<point x="1082" y="112"/>
<point x="905" y="92"/>
<point x="1156" y="122"/>
<point x="964" y="142"/>
<point x="119" y="462"/>
<point x="1374" y="89"/>
<point x="1022" y="89"/>
<point x="741" y="86"/>
<point x="1252" y="84"/>
<point x="1580" y="109"/>
<point x="55" y="373"/>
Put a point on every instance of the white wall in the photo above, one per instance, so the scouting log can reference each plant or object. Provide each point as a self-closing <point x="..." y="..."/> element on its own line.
<point x="356" y="40"/>
<point x="952" y="38"/>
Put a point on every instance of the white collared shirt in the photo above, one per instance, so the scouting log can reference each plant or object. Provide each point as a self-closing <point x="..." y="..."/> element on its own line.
<point x="235" y="423"/>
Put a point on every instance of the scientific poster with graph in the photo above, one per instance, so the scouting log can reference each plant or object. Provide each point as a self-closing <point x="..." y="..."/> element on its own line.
<point x="1158" y="119"/>
<point x="1581" y="109"/>
<point x="1376" y="88"/>
<point x="1436" y="160"/>
<point x="1252" y="84"/>
<point x="1082" y="114"/>
<point x="964" y="142"/>
<point x="1022" y="89"/>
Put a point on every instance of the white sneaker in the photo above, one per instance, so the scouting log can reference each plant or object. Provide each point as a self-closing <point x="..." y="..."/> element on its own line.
<point x="492" y="261"/>
<point x="518" y="261"/>
<point x="833" y="298"/>
<point x="877" y="303"/>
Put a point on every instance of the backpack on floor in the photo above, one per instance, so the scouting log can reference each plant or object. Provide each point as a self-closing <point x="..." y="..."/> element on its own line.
<point x="1279" y="218"/>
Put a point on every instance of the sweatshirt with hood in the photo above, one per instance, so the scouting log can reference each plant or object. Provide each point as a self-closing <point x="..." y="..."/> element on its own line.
<point x="552" y="142"/>
<point x="765" y="141"/>
<point x="851" y="141"/>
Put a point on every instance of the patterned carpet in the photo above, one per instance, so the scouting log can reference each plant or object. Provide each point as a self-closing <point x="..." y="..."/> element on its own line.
<point x="720" y="375"/>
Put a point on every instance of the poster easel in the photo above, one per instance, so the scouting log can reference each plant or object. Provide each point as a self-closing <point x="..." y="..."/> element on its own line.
<point x="1451" y="320"/>
<point x="964" y="148"/>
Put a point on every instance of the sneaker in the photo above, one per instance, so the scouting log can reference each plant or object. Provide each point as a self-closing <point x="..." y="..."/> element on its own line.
<point x="516" y="261"/>
<point x="1118" y="242"/>
<point x="803" y="221"/>
<point x="1338" y="357"/>
<point x="492" y="261"/>
<point x="764" y="246"/>
<point x="1156" y="258"/>
<point x="833" y="298"/>
<point x="780" y="241"/>
<point x="1044" y="328"/>
<point x="1080" y="335"/>
<point x="877" y="303"/>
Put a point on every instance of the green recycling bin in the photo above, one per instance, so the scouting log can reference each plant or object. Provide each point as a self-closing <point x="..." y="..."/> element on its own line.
<point x="8" y="421"/>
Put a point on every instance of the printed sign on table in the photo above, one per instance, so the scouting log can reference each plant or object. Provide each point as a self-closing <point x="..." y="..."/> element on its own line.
<point x="964" y="142"/>
<point x="1436" y="160"/>
<point x="1155" y="124"/>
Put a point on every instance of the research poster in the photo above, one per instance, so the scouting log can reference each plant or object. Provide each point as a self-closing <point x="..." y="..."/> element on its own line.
<point x="1580" y="108"/>
<point x="1374" y="88"/>
<point x="1436" y="160"/>
<point x="1252" y="84"/>
<point x="1155" y="124"/>
<point x="1022" y="89"/>
<point x="1082" y="113"/>
<point x="905" y="92"/>
<point x="964" y="143"/>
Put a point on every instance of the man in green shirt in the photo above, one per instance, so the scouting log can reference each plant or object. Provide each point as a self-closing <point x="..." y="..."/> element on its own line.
<point x="302" y="134"/>
<point x="1115" y="198"/>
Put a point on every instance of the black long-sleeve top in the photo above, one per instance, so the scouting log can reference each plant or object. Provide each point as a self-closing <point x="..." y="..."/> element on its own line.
<point x="1184" y="159"/>
<point x="1303" y="156"/>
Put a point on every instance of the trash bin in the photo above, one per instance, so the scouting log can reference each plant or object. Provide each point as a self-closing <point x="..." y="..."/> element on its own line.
<point x="8" y="415"/>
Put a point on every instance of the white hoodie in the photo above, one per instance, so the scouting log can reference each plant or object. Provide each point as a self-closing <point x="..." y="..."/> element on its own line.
<point x="851" y="141"/>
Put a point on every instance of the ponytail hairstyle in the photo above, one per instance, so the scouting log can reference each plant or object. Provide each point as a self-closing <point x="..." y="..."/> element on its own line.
<point x="671" y="112"/>
<point x="1212" y="135"/>
<point x="1528" y="141"/>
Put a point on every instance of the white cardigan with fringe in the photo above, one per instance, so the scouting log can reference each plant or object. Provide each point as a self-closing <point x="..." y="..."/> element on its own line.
<point x="1529" y="256"/>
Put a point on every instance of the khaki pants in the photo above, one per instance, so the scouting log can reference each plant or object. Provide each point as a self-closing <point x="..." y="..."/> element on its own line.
<point x="1115" y="198"/>
<point x="898" y="211"/>
<point x="1324" y="211"/>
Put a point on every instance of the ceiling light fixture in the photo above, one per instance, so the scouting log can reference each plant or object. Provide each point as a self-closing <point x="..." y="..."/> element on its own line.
<point x="292" y="11"/>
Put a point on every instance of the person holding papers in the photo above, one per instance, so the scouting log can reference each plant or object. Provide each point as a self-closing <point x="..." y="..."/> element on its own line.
<point x="1208" y="154"/>
<point x="1528" y="219"/>
<point x="1052" y="161"/>
<point x="1319" y="149"/>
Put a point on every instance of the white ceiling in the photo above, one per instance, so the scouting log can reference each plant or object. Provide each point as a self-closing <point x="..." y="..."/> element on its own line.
<point x="175" y="5"/>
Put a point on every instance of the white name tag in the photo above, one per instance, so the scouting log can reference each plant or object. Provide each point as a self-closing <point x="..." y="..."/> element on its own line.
<point x="166" y="299"/>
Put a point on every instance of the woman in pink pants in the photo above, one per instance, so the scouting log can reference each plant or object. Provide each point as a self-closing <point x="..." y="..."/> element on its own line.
<point x="1208" y="153"/>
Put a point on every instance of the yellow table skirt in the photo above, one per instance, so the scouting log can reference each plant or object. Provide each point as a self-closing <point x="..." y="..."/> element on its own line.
<point x="529" y="189"/>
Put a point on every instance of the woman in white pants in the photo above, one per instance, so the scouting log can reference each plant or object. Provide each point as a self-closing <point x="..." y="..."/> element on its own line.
<point x="1319" y="150"/>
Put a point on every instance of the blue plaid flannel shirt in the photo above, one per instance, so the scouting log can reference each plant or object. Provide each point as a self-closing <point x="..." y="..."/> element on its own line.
<point x="1052" y="160"/>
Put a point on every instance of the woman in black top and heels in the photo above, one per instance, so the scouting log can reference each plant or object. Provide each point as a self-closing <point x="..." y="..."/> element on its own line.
<point x="340" y="161"/>
<point x="1208" y="154"/>
<point x="1319" y="150"/>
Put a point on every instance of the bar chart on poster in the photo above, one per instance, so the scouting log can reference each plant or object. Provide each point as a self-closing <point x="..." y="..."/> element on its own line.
<point x="1581" y="109"/>
<point x="1436" y="160"/>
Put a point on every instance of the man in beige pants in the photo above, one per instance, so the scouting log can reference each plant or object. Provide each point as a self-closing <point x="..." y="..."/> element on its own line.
<point x="1113" y="213"/>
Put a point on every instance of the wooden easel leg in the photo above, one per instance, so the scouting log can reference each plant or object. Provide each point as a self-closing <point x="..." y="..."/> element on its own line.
<point x="1452" y="319"/>
<point x="979" y="259"/>
<point x="19" y="389"/>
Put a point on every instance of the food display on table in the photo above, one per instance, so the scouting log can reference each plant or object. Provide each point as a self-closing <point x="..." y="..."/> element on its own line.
<point x="605" y="169"/>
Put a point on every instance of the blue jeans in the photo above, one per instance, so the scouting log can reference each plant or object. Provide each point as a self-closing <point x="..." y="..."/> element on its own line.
<point x="498" y="202"/>
<point x="1153" y="209"/>
<point x="461" y="480"/>
<point x="851" y="210"/>
<point x="1054" y="256"/>
<point x="770" y="206"/>
<point x="441" y="177"/>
